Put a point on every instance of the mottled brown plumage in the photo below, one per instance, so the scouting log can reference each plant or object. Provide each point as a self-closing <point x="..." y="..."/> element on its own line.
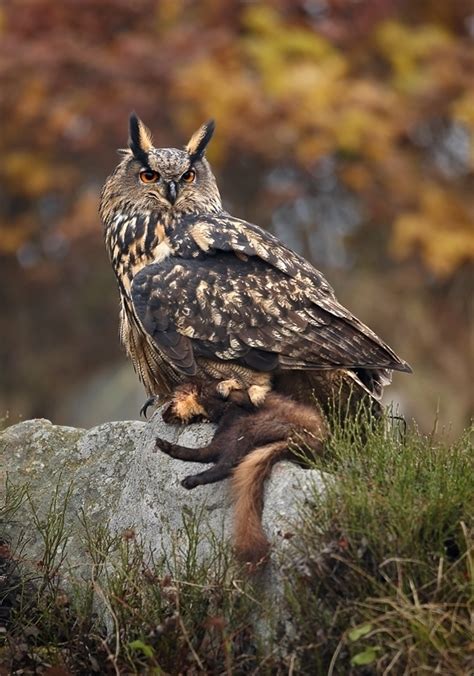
<point x="205" y="293"/>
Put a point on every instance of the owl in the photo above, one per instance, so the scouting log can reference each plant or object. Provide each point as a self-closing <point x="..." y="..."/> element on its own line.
<point x="204" y="294"/>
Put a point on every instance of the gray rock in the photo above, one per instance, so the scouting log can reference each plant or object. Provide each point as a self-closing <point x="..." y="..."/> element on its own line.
<point x="112" y="475"/>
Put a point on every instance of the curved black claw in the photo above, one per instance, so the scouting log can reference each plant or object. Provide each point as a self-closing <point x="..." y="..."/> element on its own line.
<point x="151" y="401"/>
<point x="164" y="445"/>
<point x="190" y="482"/>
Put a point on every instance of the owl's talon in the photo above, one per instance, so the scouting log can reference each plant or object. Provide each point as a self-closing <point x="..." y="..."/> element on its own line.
<point x="225" y="387"/>
<point x="257" y="394"/>
<point x="151" y="401"/>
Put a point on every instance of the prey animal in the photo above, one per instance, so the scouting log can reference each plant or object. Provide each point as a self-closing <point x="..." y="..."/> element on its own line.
<point x="247" y="443"/>
<point x="204" y="294"/>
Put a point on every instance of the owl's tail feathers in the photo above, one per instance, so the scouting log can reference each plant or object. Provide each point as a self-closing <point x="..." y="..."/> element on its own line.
<point x="250" y="542"/>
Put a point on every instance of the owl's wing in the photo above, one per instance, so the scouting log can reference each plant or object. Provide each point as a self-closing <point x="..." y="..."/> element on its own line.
<point x="224" y="232"/>
<point x="225" y="308"/>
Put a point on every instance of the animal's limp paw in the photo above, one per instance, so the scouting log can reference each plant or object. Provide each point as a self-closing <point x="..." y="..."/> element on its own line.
<point x="189" y="482"/>
<point x="164" y="446"/>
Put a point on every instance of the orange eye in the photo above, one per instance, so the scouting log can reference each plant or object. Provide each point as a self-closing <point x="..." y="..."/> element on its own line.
<point x="149" y="176"/>
<point x="189" y="176"/>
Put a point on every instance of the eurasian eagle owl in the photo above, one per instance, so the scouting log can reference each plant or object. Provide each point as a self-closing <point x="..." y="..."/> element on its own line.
<point x="203" y="293"/>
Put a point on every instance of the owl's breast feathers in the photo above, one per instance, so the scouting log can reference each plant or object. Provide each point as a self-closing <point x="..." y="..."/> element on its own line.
<point x="213" y="287"/>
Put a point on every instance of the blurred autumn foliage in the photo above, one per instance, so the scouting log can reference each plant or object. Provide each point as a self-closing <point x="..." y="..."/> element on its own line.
<point x="345" y="126"/>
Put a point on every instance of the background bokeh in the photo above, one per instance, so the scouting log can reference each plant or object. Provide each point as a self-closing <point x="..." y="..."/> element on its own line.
<point x="346" y="127"/>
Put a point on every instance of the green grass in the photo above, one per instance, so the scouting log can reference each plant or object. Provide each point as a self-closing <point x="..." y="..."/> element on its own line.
<point x="379" y="581"/>
<point x="130" y="614"/>
<point x="382" y="578"/>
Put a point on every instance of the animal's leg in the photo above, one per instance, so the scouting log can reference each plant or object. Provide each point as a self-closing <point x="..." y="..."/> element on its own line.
<point x="207" y="453"/>
<point x="219" y="472"/>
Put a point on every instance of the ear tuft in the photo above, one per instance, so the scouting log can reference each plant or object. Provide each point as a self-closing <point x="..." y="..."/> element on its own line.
<point x="140" y="141"/>
<point x="196" y="146"/>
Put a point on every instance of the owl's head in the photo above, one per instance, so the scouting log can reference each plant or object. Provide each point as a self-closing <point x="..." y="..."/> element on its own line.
<point x="163" y="179"/>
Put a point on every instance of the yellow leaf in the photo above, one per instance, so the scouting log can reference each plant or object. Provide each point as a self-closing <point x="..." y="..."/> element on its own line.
<point x="26" y="173"/>
<point x="441" y="231"/>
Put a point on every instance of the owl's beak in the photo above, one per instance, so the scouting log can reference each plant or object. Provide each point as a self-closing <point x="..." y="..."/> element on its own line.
<point x="171" y="192"/>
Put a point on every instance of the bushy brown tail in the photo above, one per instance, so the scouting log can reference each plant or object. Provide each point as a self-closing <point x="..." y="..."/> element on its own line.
<point x="251" y="544"/>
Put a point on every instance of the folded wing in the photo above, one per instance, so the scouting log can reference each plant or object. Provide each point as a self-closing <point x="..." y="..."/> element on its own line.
<point x="245" y="309"/>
